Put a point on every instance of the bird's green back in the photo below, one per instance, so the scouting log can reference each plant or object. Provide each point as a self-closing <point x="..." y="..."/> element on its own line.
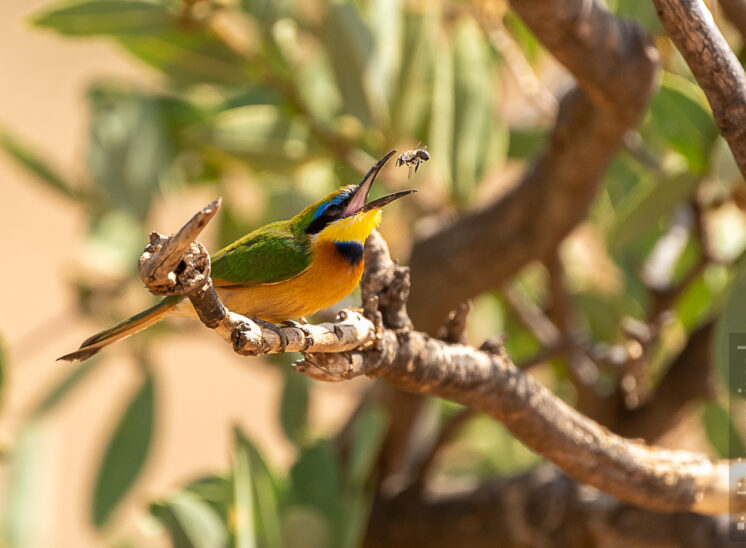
<point x="273" y="253"/>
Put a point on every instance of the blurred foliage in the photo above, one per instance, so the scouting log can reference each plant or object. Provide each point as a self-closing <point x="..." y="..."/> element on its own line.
<point x="125" y="453"/>
<point x="295" y="98"/>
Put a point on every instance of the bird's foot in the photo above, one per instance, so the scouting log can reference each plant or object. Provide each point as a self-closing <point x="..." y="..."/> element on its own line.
<point x="272" y="327"/>
<point x="301" y="324"/>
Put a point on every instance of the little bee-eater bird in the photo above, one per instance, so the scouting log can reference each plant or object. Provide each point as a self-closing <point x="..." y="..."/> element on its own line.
<point x="282" y="270"/>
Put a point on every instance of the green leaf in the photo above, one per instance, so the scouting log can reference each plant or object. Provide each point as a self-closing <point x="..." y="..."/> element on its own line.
<point x="367" y="436"/>
<point x="315" y="480"/>
<point x="679" y="112"/>
<point x="21" y="495"/>
<point x="34" y="163"/>
<point x="125" y="454"/>
<point x="368" y="433"/>
<point x="602" y="314"/>
<point x="357" y="509"/>
<point x="63" y="388"/>
<point x="473" y="114"/>
<point x="190" y="57"/>
<point x="112" y="17"/>
<point x="294" y="406"/>
<point x="216" y="491"/>
<point x="260" y="134"/>
<point x="251" y="471"/>
<point x="442" y="112"/>
<point x="721" y="432"/>
<point x="191" y="522"/>
<point x="130" y="150"/>
<point x="243" y="498"/>
<point x="349" y="44"/>
<point x="731" y="320"/>
<point x="645" y="207"/>
<point x="385" y="20"/>
<point x="526" y="142"/>
<point x="411" y="100"/>
<point x="694" y="304"/>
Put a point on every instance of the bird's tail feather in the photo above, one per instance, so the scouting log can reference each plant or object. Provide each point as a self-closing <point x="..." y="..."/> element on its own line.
<point x="122" y="330"/>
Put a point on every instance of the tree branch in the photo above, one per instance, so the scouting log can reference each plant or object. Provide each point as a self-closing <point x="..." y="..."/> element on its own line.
<point x="540" y="508"/>
<point x="716" y="68"/>
<point x="483" y="380"/>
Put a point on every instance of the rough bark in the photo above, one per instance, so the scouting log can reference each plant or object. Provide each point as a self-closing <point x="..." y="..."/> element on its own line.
<point x="485" y="380"/>
<point x="539" y="509"/>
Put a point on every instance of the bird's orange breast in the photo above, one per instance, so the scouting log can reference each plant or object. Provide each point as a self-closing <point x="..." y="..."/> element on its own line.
<point x="329" y="279"/>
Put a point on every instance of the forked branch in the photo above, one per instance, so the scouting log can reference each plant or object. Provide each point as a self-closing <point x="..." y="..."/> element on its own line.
<point x="362" y="343"/>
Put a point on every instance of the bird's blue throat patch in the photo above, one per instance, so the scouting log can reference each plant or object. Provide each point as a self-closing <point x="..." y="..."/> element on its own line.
<point x="352" y="251"/>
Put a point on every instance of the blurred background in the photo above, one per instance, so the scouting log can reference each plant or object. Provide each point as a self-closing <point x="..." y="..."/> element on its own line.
<point x="118" y="117"/>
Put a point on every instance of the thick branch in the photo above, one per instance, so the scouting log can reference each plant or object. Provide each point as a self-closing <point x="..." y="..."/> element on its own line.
<point x="541" y="508"/>
<point x="716" y="68"/>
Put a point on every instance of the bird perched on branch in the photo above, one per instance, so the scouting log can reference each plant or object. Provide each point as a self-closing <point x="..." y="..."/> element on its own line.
<point x="282" y="270"/>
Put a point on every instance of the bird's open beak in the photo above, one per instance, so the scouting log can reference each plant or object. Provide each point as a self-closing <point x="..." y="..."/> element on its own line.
<point x="357" y="203"/>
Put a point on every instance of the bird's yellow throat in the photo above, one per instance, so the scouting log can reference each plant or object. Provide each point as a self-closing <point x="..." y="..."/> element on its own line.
<point x="355" y="228"/>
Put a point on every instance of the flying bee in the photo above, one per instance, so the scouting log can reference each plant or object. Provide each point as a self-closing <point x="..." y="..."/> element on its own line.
<point x="413" y="158"/>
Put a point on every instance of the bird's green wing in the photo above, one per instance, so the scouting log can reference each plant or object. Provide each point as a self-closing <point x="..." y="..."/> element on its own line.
<point x="269" y="254"/>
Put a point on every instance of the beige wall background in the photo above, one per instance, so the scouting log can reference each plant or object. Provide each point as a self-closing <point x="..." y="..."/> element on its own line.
<point x="203" y="387"/>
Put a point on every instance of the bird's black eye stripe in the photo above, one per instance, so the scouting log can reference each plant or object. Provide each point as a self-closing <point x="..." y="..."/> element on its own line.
<point x="331" y="213"/>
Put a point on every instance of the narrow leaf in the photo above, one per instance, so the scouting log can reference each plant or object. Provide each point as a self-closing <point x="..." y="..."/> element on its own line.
<point x="130" y="148"/>
<point x="262" y="134"/>
<point x="315" y="480"/>
<point x="189" y="57"/>
<point x="33" y="162"/>
<point x="243" y="499"/>
<point x="191" y="522"/>
<point x="64" y="387"/>
<point x="472" y="103"/>
<point x="645" y="207"/>
<point x="349" y="43"/>
<point x="25" y="483"/>
<point x="125" y="454"/>
<point x="112" y="17"/>
<point x="264" y="493"/>
<point x="680" y="114"/>
<point x="412" y="98"/>
<point x="294" y="406"/>
<point x="367" y="437"/>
